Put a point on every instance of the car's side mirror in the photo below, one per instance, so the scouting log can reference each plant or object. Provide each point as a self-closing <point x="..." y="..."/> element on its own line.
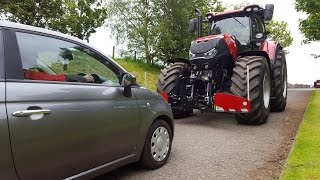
<point x="193" y="25"/>
<point x="268" y="12"/>
<point x="127" y="81"/>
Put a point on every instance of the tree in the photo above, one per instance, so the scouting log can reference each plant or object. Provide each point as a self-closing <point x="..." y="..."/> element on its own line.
<point x="310" y="26"/>
<point x="278" y="30"/>
<point x="75" y="17"/>
<point x="40" y="13"/>
<point x="82" y="17"/>
<point x="134" y="22"/>
<point x="156" y="29"/>
<point x="174" y="23"/>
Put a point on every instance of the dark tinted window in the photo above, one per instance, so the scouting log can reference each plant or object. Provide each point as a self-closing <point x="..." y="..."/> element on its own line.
<point x="57" y="57"/>
<point x="257" y="25"/>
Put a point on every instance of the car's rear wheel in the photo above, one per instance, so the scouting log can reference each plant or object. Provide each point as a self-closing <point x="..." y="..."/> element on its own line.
<point x="157" y="145"/>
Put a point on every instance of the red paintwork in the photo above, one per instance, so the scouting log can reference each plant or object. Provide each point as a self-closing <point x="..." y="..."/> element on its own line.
<point x="228" y="101"/>
<point x="34" y="75"/>
<point x="165" y="96"/>
<point x="270" y="48"/>
<point x="230" y="41"/>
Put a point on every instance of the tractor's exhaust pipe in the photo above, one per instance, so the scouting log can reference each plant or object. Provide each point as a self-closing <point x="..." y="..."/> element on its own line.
<point x="199" y="14"/>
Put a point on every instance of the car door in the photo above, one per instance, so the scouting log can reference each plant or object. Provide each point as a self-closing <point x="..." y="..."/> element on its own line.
<point x="59" y="129"/>
<point x="6" y="163"/>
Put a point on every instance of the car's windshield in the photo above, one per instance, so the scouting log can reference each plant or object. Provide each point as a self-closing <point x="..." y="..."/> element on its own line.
<point x="236" y="26"/>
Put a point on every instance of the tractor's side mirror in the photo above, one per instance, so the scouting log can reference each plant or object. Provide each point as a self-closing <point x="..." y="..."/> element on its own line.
<point x="193" y="25"/>
<point x="268" y="12"/>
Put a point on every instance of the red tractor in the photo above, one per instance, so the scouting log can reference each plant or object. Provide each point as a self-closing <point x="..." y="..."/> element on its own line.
<point x="234" y="68"/>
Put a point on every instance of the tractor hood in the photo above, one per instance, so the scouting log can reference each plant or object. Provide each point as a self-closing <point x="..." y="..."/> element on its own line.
<point x="213" y="46"/>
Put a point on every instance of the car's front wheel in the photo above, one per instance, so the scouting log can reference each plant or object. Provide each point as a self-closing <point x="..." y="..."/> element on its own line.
<point x="157" y="146"/>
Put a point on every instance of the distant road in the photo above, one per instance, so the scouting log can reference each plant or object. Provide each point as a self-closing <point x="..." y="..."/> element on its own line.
<point x="214" y="146"/>
<point x="302" y="89"/>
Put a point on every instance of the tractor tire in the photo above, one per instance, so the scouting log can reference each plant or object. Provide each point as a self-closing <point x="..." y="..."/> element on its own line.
<point x="280" y="84"/>
<point x="260" y="88"/>
<point x="168" y="82"/>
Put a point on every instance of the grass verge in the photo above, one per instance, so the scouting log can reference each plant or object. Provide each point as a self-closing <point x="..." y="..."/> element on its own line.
<point x="304" y="160"/>
<point x="139" y="69"/>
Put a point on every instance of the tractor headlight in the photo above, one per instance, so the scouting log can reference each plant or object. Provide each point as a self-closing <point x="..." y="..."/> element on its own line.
<point x="205" y="77"/>
<point x="191" y="55"/>
<point x="211" y="53"/>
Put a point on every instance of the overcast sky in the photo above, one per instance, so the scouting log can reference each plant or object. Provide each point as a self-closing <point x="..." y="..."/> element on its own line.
<point x="302" y="67"/>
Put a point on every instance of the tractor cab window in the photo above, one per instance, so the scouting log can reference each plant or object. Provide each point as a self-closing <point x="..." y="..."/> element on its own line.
<point x="257" y="26"/>
<point x="239" y="27"/>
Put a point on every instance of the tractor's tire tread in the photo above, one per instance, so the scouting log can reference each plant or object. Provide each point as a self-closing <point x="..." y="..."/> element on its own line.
<point x="258" y="67"/>
<point x="167" y="82"/>
<point x="278" y="102"/>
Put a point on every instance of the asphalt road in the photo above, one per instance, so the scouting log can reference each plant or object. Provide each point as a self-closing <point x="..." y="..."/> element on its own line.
<point x="214" y="146"/>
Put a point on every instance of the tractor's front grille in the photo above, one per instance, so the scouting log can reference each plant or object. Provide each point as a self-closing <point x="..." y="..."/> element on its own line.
<point x="201" y="64"/>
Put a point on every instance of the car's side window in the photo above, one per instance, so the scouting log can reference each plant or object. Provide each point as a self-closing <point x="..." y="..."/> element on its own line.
<point x="50" y="59"/>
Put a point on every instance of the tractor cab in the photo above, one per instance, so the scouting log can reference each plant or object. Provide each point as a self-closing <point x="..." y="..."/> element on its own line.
<point x="247" y="25"/>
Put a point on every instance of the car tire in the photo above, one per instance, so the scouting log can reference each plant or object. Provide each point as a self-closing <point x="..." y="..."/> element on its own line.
<point x="157" y="147"/>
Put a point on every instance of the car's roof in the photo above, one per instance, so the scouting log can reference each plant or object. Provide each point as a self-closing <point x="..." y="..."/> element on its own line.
<point x="36" y="29"/>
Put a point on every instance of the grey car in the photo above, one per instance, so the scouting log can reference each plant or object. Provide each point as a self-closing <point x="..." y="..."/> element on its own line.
<point x="68" y="111"/>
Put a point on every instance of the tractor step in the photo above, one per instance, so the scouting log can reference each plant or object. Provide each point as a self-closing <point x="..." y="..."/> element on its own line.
<point x="224" y="102"/>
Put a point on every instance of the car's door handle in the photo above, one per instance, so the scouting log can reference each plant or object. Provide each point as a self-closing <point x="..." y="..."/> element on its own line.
<point x="30" y="112"/>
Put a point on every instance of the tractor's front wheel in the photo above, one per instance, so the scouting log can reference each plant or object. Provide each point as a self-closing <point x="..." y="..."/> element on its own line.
<point x="169" y="81"/>
<point x="260" y="88"/>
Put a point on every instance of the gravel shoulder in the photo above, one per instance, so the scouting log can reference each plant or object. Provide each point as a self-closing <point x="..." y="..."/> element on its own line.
<point x="214" y="146"/>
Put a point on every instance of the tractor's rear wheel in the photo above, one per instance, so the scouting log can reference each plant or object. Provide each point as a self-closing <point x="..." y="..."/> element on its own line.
<point x="280" y="84"/>
<point x="168" y="82"/>
<point x="260" y="88"/>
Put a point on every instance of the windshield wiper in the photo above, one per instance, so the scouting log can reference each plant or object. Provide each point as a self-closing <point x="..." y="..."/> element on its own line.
<point x="237" y="21"/>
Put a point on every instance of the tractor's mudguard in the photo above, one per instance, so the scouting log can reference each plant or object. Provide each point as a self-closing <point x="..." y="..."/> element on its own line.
<point x="271" y="48"/>
<point x="224" y="102"/>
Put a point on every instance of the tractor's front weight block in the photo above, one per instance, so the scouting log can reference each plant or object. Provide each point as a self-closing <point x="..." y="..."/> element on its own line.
<point x="234" y="104"/>
<point x="224" y="102"/>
